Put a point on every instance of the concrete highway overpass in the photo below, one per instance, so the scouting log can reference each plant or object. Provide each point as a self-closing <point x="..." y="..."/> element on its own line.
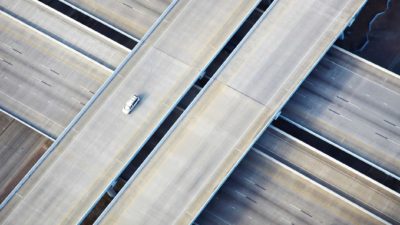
<point x="335" y="65"/>
<point x="194" y="159"/>
<point x="338" y="63"/>
<point x="84" y="163"/>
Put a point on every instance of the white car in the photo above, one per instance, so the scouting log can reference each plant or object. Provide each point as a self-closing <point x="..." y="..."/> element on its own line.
<point x="130" y="104"/>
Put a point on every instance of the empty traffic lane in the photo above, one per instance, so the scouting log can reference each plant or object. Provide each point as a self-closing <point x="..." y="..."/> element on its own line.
<point x="43" y="82"/>
<point x="354" y="104"/>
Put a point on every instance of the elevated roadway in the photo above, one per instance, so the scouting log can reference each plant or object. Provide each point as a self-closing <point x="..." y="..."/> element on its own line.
<point x="329" y="172"/>
<point x="354" y="104"/>
<point x="262" y="190"/>
<point x="218" y="129"/>
<point x="66" y="30"/>
<point x="131" y="17"/>
<point x="95" y="151"/>
<point x="34" y="67"/>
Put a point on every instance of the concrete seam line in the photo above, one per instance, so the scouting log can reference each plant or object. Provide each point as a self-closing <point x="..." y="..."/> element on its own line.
<point x="268" y="123"/>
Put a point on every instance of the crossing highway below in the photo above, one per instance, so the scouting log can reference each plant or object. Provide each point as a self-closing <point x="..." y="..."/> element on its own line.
<point x="84" y="163"/>
<point x="340" y="178"/>
<point x="34" y="67"/>
<point x="262" y="190"/>
<point x="354" y="104"/>
<point x="66" y="30"/>
<point x="190" y="163"/>
<point x="131" y="17"/>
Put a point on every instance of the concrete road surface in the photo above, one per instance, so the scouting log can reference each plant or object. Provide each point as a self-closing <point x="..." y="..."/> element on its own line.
<point x="263" y="191"/>
<point x="34" y="67"/>
<point x="349" y="183"/>
<point x="67" y="31"/>
<point x="133" y="17"/>
<point x="354" y="104"/>
<point x="217" y="131"/>
<point x="20" y="147"/>
<point x="97" y="149"/>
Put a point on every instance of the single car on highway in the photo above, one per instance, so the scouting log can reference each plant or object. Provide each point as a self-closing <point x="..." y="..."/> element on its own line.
<point x="130" y="104"/>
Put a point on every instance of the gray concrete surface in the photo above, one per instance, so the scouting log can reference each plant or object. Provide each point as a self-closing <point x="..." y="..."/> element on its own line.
<point x="191" y="163"/>
<point x="133" y="17"/>
<point x="19" y="149"/>
<point x="95" y="151"/>
<point x="354" y="104"/>
<point x="263" y="191"/>
<point x="67" y="31"/>
<point x="42" y="81"/>
<point x="346" y="181"/>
